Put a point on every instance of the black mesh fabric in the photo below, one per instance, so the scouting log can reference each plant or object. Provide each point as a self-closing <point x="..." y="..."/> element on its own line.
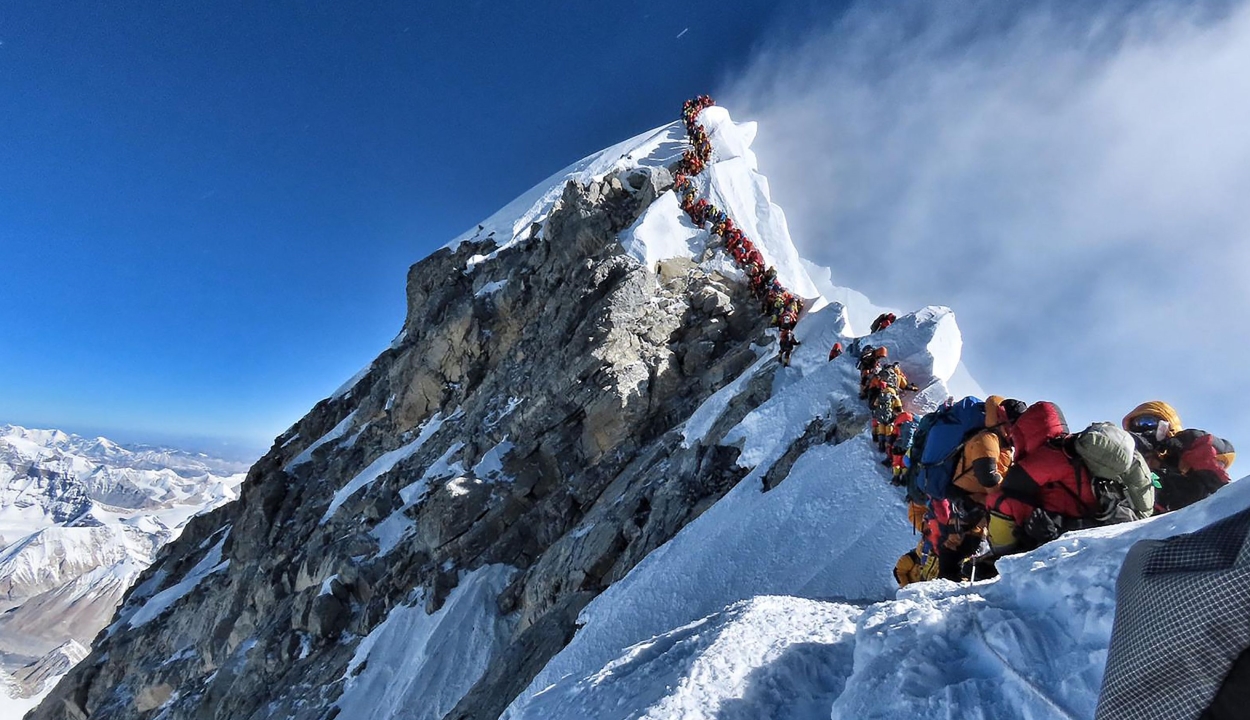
<point x="1182" y="620"/>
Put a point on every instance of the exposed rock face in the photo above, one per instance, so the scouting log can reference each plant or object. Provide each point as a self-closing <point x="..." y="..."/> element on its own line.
<point x="528" y="417"/>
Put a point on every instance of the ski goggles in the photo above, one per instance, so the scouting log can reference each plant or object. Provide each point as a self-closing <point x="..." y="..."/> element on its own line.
<point x="1145" y="424"/>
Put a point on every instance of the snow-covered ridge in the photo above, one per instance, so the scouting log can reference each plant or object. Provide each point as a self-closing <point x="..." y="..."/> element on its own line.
<point x="80" y="518"/>
<point x="732" y="181"/>
<point x="762" y="603"/>
<point x="759" y="566"/>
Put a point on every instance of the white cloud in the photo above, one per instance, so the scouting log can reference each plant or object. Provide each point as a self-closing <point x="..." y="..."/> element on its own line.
<point x="1075" y="184"/>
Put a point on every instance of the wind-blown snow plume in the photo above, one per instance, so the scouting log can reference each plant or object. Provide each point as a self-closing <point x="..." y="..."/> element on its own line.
<point x="1069" y="180"/>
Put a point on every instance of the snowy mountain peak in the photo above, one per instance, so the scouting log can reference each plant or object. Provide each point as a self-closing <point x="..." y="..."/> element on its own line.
<point x="663" y="232"/>
<point x="579" y="482"/>
<point x="79" y="519"/>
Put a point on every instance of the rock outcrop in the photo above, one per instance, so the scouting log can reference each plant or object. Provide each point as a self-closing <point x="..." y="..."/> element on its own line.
<point x="527" y="416"/>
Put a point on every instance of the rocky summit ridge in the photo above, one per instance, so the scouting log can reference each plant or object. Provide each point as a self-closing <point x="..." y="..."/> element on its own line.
<point x="568" y="392"/>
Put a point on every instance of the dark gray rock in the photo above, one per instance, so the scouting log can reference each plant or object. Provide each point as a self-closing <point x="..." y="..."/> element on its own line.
<point x="587" y="362"/>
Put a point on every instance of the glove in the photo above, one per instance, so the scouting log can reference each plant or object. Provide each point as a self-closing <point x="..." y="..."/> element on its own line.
<point x="1043" y="526"/>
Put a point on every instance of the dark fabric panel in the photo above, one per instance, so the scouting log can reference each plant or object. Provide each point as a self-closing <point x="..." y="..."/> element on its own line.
<point x="1232" y="702"/>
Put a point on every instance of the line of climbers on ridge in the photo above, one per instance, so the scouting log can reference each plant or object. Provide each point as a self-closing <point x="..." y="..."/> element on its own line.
<point x="780" y="304"/>
<point x="996" y="477"/>
<point x="988" y="478"/>
<point x="983" y="478"/>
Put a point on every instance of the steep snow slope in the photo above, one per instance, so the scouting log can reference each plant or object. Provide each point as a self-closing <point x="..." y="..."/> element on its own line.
<point x="781" y="658"/>
<point x="523" y="463"/>
<point x="832" y="529"/>
<point x="1029" y="644"/>
<point x="663" y="233"/>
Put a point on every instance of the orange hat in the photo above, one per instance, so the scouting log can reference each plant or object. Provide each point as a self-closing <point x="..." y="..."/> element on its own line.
<point x="1157" y="409"/>
<point x="991" y="410"/>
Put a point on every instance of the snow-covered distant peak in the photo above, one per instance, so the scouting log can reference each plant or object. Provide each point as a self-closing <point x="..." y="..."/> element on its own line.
<point x="80" y="518"/>
<point x="81" y="454"/>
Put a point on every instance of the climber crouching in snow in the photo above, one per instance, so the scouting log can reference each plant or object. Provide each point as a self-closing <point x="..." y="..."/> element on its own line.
<point x="1062" y="481"/>
<point x="1190" y="464"/>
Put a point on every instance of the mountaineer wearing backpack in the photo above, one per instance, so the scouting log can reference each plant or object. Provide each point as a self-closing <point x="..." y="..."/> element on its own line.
<point x="916" y="565"/>
<point x="889" y="378"/>
<point x="886" y="406"/>
<point x="883" y="321"/>
<point x="1070" y="481"/>
<point x="1194" y="466"/>
<point x="1041" y="424"/>
<point x="987" y="454"/>
<point x="869" y="363"/>
<point x="904" y="432"/>
<point x="922" y="563"/>
<point x="984" y="458"/>
<point x="1191" y="464"/>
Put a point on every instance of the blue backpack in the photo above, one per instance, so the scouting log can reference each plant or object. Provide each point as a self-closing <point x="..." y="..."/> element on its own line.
<point x="948" y="429"/>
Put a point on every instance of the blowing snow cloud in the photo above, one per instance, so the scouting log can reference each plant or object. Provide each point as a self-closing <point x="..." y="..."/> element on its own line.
<point x="1071" y="183"/>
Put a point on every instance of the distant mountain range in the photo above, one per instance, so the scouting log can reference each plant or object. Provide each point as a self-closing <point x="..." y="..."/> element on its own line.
<point x="80" y="518"/>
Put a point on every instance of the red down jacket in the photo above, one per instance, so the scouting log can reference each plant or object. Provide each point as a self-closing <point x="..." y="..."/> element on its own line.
<point x="1043" y="474"/>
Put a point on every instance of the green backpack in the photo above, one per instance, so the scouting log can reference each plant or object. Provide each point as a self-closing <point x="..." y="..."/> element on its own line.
<point x="1123" y="482"/>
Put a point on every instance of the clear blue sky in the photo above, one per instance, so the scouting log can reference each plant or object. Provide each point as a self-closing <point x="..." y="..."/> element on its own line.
<point x="207" y="209"/>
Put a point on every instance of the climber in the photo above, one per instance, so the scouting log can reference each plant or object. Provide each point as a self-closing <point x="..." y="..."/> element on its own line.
<point x="835" y="351"/>
<point x="987" y="454"/>
<point x="1035" y="431"/>
<point x="1063" y="481"/>
<point x="984" y="458"/>
<point x="885" y="406"/>
<point x="869" y="362"/>
<point x="916" y="565"/>
<point x="1190" y="464"/>
<point x="883" y="321"/>
<point x="904" y="432"/>
<point x="788" y="344"/>
<point x="889" y="378"/>
<point x="937" y="555"/>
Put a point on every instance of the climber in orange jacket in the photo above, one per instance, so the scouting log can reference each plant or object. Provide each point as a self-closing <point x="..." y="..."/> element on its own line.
<point x="987" y="454"/>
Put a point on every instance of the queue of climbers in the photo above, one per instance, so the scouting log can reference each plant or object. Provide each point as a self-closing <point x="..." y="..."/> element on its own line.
<point x="987" y="478"/>
<point x="780" y="304"/>
<point x="983" y="478"/>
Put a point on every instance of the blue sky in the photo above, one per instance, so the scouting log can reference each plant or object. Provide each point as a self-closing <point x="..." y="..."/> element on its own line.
<point x="207" y="210"/>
